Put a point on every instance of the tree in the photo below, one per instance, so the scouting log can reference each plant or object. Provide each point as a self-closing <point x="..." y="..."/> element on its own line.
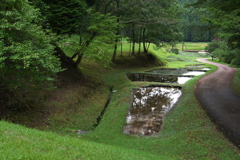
<point x="194" y="29"/>
<point x="73" y="17"/>
<point x="224" y="15"/>
<point x="146" y="21"/>
<point x="26" y="55"/>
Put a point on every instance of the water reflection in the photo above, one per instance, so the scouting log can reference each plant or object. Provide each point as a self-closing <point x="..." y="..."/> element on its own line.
<point x="158" y="78"/>
<point x="148" y="109"/>
<point x="195" y="73"/>
<point x="165" y="71"/>
<point x="182" y="80"/>
<point x="179" y="71"/>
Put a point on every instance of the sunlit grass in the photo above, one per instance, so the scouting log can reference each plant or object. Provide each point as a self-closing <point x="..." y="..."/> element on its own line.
<point x="192" y="46"/>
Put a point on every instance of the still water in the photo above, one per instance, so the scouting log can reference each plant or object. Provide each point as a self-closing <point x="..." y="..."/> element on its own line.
<point x="158" y="78"/>
<point x="150" y="105"/>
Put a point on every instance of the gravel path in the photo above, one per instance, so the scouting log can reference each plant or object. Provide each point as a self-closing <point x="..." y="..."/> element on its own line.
<point x="214" y="93"/>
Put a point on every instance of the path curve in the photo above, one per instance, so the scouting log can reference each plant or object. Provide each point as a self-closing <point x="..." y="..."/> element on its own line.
<point x="215" y="95"/>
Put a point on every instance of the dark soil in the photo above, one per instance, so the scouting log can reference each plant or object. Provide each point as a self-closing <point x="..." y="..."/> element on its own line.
<point x="216" y="96"/>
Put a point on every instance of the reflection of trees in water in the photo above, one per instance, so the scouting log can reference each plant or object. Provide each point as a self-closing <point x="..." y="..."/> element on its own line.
<point x="148" y="108"/>
<point x="152" y="78"/>
<point x="148" y="98"/>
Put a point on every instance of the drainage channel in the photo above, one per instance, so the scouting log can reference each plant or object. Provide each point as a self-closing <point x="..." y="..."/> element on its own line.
<point x="104" y="109"/>
<point x="101" y="115"/>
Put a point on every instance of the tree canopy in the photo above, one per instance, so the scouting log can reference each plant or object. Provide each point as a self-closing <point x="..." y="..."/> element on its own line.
<point x="224" y="15"/>
<point x="26" y="56"/>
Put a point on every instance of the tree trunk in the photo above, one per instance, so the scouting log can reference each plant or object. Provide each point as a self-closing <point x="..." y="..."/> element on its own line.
<point x="173" y="44"/>
<point x="148" y="47"/>
<point x="144" y="41"/>
<point x="121" y="46"/>
<point x="115" y="50"/>
<point x="133" y="40"/>
<point x="79" y="52"/>
<point x="116" y="40"/>
<point x="130" y="49"/>
<point x="140" y="40"/>
<point x="65" y="60"/>
<point x="80" y="56"/>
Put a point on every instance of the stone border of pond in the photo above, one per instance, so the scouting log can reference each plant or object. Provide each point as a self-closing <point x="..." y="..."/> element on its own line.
<point x="180" y="69"/>
<point x="159" y="75"/>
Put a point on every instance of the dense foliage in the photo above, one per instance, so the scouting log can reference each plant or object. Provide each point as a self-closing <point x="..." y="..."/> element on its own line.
<point x="194" y="29"/>
<point x="224" y="15"/>
<point x="27" y="57"/>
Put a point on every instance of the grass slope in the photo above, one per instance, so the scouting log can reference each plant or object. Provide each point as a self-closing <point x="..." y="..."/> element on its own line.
<point x="18" y="142"/>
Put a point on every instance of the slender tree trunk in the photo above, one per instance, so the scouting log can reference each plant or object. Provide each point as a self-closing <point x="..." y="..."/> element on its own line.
<point x="133" y="40"/>
<point x="148" y="47"/>
<point x="121" y="46"/>
<point x="144" y="41"/>
<point x="173" y="44"/>
<point x="115" y="50"/>
<point x="79" y="52"/>
<point x="79" y="59"/>
<point x="140" y="40"/>
<point x="130" y="49"/>
<point x="116" y="40"/>
<point x="65" y="60"/>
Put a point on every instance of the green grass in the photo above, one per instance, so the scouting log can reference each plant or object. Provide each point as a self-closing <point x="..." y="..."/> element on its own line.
<point x="236" y="84"/>
<point x="192" y="45"/>
<point x="18" y="142"/>
<point x="187" y="132"/>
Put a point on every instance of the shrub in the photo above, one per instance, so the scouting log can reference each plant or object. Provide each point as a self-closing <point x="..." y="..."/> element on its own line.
<point x="175" y="50"/>
<point x="220" y="50"/>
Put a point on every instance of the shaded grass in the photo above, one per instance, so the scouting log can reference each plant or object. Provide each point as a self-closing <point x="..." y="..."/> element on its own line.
<point x="236" y="84"/>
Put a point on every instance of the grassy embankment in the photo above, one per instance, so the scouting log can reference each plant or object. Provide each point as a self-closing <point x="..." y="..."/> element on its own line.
<point x="187" y="133"/>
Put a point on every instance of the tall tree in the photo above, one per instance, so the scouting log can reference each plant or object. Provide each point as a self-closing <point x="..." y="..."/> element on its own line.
<point x="224" y="15"/>
<point x="26" y="55"/>
<point x="194" y="29"/>
<point x="73" y="17"/>
<point x="150" y="20"/>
